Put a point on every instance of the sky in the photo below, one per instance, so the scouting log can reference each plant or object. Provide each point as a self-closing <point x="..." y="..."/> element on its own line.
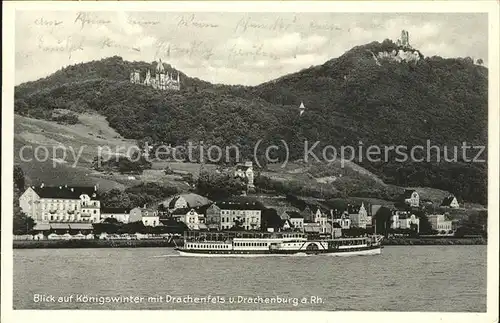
<point x="231" y="47"/>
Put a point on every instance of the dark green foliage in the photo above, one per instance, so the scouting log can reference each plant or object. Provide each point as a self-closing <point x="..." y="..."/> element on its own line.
<point x="383" y="220"/>
<point x="134" y="165"/>
<point x="22" y="224"/>
<point x="19" y="181"/>
<point x="69" y="118"/>
<point x="219" y="185"/>
<point x="270" y="219"/>
<point x="348" y="99"/>
<point x="137" y="195"/>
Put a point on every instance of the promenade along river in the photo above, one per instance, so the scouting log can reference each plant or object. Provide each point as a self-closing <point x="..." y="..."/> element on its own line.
<point x="403" y="278"/>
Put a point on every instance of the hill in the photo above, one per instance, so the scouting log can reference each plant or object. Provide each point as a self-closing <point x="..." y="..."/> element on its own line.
<point x="367" y="95"/>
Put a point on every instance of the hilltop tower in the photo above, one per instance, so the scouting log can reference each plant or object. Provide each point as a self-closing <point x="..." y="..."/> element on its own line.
<point x="404" y="41"/>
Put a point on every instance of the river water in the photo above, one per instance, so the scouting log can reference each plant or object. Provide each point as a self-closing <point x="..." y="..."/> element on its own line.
<point x="402" y="278"/>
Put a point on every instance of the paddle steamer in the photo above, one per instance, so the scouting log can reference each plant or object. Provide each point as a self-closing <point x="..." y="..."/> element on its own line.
<point x="252" y="244"/>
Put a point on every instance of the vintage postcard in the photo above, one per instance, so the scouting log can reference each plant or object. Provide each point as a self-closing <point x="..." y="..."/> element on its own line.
<point x="209" y="161"/>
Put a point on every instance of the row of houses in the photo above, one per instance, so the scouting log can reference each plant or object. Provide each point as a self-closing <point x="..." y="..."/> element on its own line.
<point x="78" y="208"/>
<point x="412" y="198"/>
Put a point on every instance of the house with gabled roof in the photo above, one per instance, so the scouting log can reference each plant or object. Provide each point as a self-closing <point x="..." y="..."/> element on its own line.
<point x="411" y="198"/>
<point x="450" y="202"/>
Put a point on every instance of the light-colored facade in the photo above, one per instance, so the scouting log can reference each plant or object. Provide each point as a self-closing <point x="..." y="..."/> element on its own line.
<point x="361" y="218"/>
<point x="412" y="198"/>
<point x="121" y="215"/>
<point x="246" y="172"/>
<point x="250" y="218"/>
<point x="61" y="204"/>
<point x="405" y="220"/>
<point x="439" y="223"/>
<point x="162" y="80"/>
<point x="322" y="219"/>
<point x="297" y="223"/>
<point x="450" y="202"/>
<point x="149" y="217"/>
<point x="344" y="221"/>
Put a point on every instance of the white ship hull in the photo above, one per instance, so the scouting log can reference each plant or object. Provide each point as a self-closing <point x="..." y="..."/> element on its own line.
<point x="367" y="252"/>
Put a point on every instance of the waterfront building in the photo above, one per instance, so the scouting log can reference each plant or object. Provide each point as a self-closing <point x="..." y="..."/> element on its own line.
<point x="321" y="218"/>
<point x="243" y="212"/>
<point x="287" y="225"/>
<point x="360" y="219"/>
<point x="49" y="204"/>
<point x="212" y="217"/>
<point x="343" y="220"/>
<point x="296" y="219"/>
<point x="450" y="202"/>
<point x="148" y="216"/>
<point x="411" y="198"/>
<point x="193" y="219"/>
<point x="440" y="223"/>
<point x="120" y="214"/>
<point x="405" y="220"/>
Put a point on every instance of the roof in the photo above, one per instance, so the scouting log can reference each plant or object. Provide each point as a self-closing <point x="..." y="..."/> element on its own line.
<point x="242" y="167"/>
<point x="447" y="200"/>
<point x="42" y="227"/>
<point x="115" y="210"/>
<point x="241" y="203"/>
<point x="407" y="194"/>
<point x="81" y="226"/>
<point x="59" y="226"/>
<point x="312" y="229"/>
<point x="181" y="211"/>
<point x="192" y="200"/>
<point x="65" y="192"/>
<point x="336" y="225"/>
<point x="294" y="215"/>
<point x="202" y="209"/>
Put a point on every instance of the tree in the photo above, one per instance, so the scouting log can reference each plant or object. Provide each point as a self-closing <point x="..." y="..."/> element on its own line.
<point x="383" y="220"/>
<point x="219" y="186"/>
<point x="19" y="180"/>
<point x="270" y="219"/>
<point x="425" y="225"/>
<point x="116" y="199"/>
<point x="22" y="224"/>
<point x="480" y="61"/>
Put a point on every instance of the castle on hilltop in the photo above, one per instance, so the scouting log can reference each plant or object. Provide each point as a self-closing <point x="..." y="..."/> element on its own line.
<point x="162" y="80"/>
<point x="404" y="41"/>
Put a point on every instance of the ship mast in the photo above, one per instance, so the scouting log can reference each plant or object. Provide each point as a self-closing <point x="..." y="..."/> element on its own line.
<point x="332" y="224"/>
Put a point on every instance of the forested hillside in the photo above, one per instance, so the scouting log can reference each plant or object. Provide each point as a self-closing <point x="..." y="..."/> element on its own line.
<point x="350" y="99"/>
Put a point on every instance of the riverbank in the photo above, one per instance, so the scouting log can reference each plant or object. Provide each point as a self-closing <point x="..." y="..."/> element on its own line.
<point x="433" y="241"/>
<point x="148" y="243"/>
<point x="94" y="243"/>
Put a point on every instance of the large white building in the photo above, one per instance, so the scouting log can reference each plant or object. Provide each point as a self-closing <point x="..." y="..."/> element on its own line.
<point x="241" y="211"/>
<point x="439" y="223"/>
<point x="405" y="220"/>
<point x="46" y="204"/>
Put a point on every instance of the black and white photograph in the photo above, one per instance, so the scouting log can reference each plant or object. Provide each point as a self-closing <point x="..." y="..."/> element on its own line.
<point x="295" y="157"/>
